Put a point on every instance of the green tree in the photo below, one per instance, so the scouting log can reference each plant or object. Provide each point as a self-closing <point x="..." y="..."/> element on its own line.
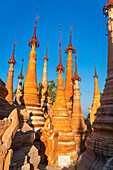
<point x="52" y="89"/>
<point x="14" y="93"/>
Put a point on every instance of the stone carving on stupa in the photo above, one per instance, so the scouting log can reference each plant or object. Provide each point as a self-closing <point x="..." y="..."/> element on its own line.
<point x="50" y="139"/>
<point x="96" y="100"/>
<point x="69" y="74"/>
<point x="78" y="125"/>
<point x="60" y="118"/>
<point x="31" y="97"/>
<point x="19" y="93"/>
<point x="9" y="84"/>
<point x="99" y="144"/>
<point x="8" y="128"/>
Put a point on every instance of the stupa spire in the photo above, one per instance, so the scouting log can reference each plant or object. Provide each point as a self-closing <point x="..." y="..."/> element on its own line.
<point x="69" y="73"/>
<point x="96" y="99"/>
<point x="76" y="77"/>
<point x="95" y="76"/>
<point x="9" y="84"/>
<point x="78" y="125"/>
<point x="21" y="76"/>
<point x="12" y="60"/>
<point x="60" y="66"/>
<point x="18" y="97"/>
<point x="43" y="90"/>
<point x="46" y="58"/>
<point x="34" y="39"/>
<point x="70" y="47"/>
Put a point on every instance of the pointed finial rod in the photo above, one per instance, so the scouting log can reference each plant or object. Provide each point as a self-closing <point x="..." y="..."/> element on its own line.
<point x="46" y="58"/>
<point x="60" y="66"/>
<point x="95" y="76"/>
<point x="34" y="39"/>
<point x="70" y="47"/>
<point x="76" y="77"/>
<point x="12" y="60"/>
<point x="21" y="76"/>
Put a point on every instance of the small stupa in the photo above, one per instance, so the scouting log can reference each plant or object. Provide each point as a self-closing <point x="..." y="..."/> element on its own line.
<point x="69" y="72"/>
<point x="60" y="117"/>
<point x="18" y="96"/>
<point x="44" y="95"/>
<point x="31" y="97"/>
<point x="9" y="84"/>
<point x="78" y="125"/>
<point x="96" y="99"/>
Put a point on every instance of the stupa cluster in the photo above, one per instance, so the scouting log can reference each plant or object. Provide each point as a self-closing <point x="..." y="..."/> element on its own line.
<point x="31" y="116"/>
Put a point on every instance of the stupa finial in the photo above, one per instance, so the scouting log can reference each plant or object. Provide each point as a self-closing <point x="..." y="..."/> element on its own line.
<point x="60" y="66"/>
<point x="12" y="60"/>
<point x="34" y="39"/>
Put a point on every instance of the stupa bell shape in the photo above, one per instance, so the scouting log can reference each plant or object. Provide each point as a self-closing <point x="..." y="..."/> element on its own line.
<point x="9" y="84"/>
<point x="31" y="98"/>
<point x="61" y="120"/>
<point x="99" y="145"/>
<point x="69" y="73"/>
<point x="96" y="100"/>
<point x="78" y="125"/>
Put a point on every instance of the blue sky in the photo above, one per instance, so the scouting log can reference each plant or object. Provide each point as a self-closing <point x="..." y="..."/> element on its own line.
<point x="88" y="37"/>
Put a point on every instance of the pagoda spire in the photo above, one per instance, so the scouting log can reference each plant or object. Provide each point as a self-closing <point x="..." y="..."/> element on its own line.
<point x="78" y="125"/>
<point x="99" y="144"/>
<point x="43" y="90"/>
<point x="21" y="76"/>
<point x="31" y="97"/>
<point x="69" y="72"/>
<point x="9" y="84"/>
<point x="76" y="77"/>
<point x="61" y="120"/>
<point x="19" y="94"/>
<point x="96" y="99"/>
<point x="34" y="40"/>
<point x="60" y="66"/>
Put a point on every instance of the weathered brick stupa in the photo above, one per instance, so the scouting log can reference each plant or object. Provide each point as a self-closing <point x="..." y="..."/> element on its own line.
<point x="69" y="72"/>
<point x="78" y="125"/>
<point x="18" y="95"/>
<point x="31" y="98"/>
<point x="9" y="84"/>
<point x="99" y="145"/>
<point x="43" y="90"/>
<point x="96" y="100"/>
<point x="60" y="118"/>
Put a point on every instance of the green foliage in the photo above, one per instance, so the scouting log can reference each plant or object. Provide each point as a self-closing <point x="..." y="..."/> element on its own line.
<point x="84" y="119"/>
<point x="14" y="93"/>
<point x="52" y="89"/>
<point x="38" y="86"/>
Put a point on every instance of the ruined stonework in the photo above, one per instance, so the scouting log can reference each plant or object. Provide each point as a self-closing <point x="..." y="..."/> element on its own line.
<point x="8" y="128"/>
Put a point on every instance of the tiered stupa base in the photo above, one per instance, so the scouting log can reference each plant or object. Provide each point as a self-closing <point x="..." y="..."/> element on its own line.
<point x="66" y="143"/>
<point x="36" y="117"/>
<point x="99" y="145"/>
